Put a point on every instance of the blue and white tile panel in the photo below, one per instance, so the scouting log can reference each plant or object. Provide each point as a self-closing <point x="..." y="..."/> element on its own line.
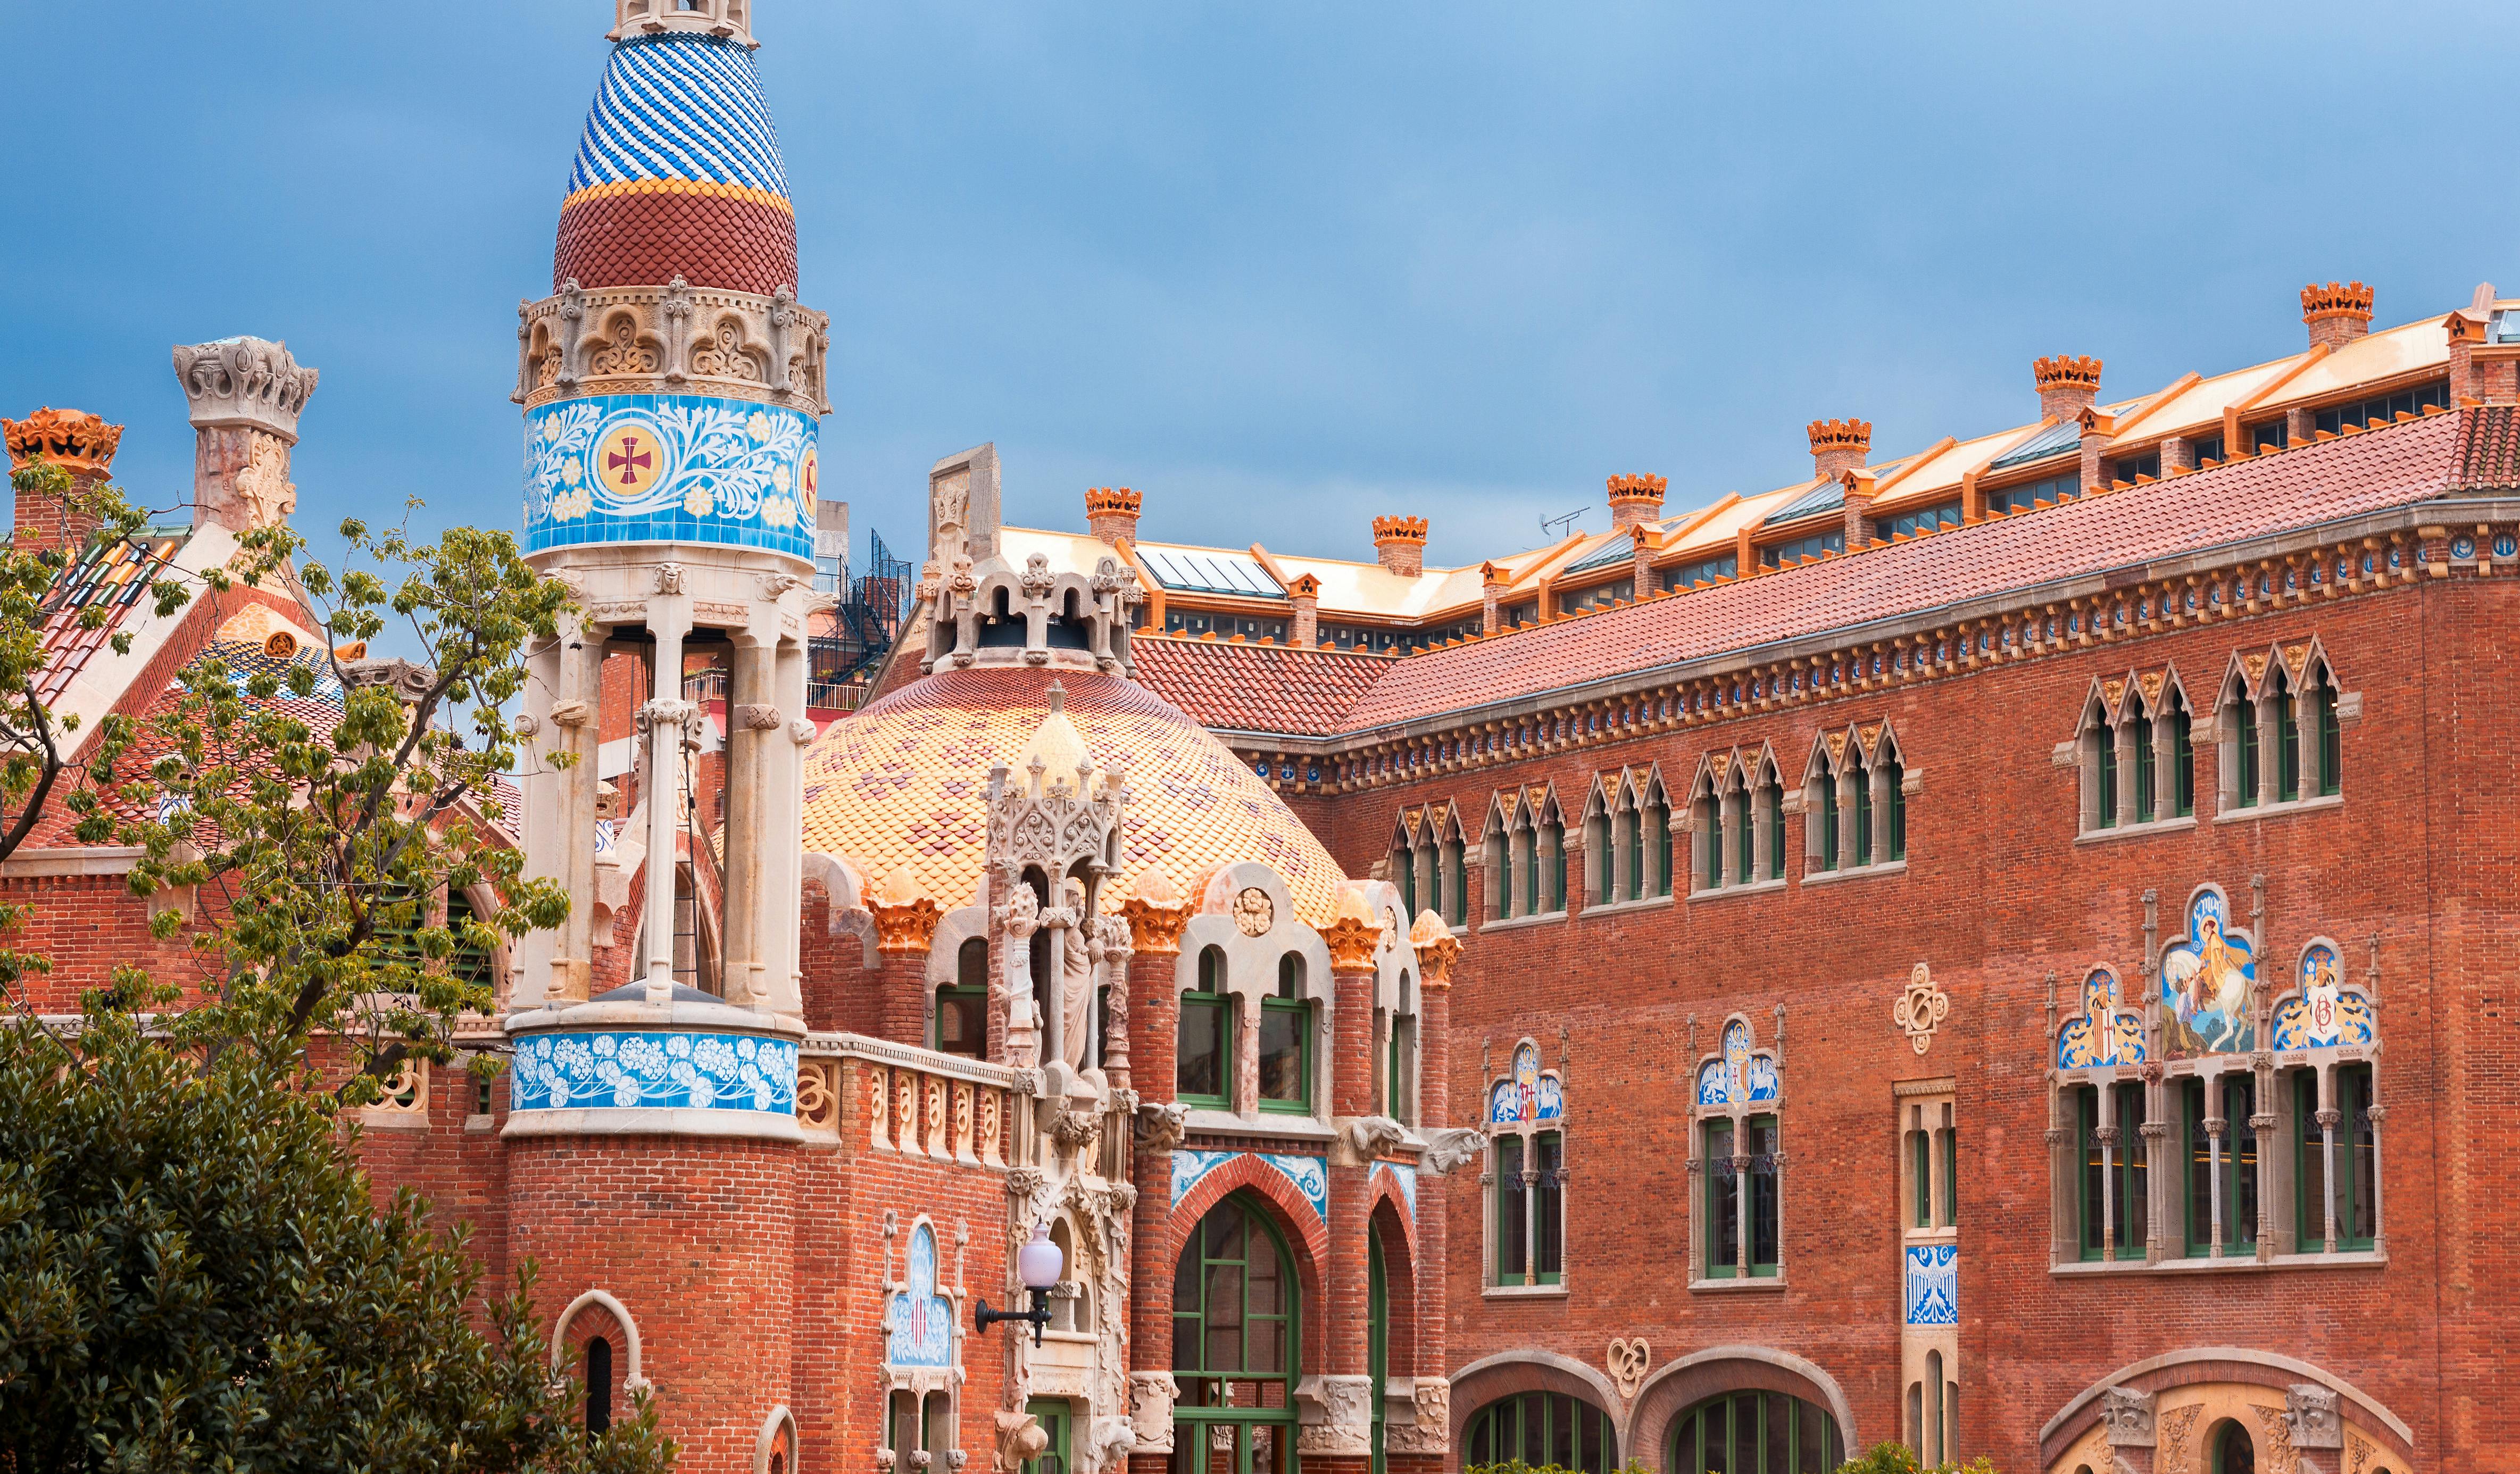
<point x="1310" y="1175"/>
<point x="1933" y="1284"/>
<point x="671" y="468"/>
<point x="623" y="1068"/>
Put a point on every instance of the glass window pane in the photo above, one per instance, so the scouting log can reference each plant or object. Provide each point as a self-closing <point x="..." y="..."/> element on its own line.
<point x="1282" y="1052"/>
<point x="1201" y="1070"/>
<point x="1225" y="1233"/>
<point x="2240" y="1147"/>
<point x="1811" y="1445"/>
<point x="1716" y="1420"/>
<point x="1560" y="1418"/>
<point x="1776" y="1440"/>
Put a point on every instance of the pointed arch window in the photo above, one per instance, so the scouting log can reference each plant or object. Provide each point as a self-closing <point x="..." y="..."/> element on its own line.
<point x="1740" y="1161"/>
<point x="1855" y="803"/>
<point x="2280" y="719"/>
<point x="1526" y="1176"/>
<point x="2135" y="753"/>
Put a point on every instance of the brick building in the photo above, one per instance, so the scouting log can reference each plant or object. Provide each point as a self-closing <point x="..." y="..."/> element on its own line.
<point x="1997" y="947"/>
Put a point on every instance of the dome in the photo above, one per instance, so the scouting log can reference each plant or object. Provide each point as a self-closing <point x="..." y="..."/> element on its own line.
<point x="678" y="175"/>
<point x="905" y="781"/>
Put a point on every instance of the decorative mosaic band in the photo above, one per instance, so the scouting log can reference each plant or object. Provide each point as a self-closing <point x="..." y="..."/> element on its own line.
<point x="624" y="188"/>
<point x="1310" y="1175"/>
<point x="671" y="468"/>
<point x="623" y="1068"/>
<point x="1933" y="1284"/>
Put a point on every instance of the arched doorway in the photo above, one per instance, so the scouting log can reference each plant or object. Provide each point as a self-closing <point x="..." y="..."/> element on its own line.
<point x="1236" y="1339"/>
<point x="2233" y="1454"/>
<point x="1544" y="1428"/>
<point x="1755" y="1433"/>
<point x="1377" y="1336"/>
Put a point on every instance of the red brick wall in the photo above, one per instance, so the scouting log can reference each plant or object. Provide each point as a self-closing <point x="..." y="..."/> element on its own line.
<point x="1997" y="896"/>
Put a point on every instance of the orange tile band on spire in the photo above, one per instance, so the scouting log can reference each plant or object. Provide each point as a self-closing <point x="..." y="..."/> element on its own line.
<point x="1839" y="434"/>
<point x="2066" y="369"/>
<point x="1400" y="529"/>
<point x="74" y="440"/>
<point x="2336" y="299"/>
<point x="621" y="187"/>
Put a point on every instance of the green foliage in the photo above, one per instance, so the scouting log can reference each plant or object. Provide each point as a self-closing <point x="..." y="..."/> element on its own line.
<point x="192" y="1277"/>
<point x="1898" y="1458"/>
<point x="1518" y="1466"/>
<point x="323" y="854"/>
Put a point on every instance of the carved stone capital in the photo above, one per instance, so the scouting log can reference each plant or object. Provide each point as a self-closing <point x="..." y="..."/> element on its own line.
<point x="904" y="927"/>
<point x="759" y="717"/>
<point x="1156" y="930"/>
<point x="668" y="712"/>
<point x="1337" y="1416"/>
<point x="1352" y="944"/>
<point x="1151" y="1396"/>
<point x="404" y="679"/>
<point x="246" y="382"/>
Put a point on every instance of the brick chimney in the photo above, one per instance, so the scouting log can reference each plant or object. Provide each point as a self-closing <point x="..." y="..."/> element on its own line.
<point x="1838" y="446"/>
<point x="1305" y="594"/>
<point x="1493" y="582"/>
<point x="245" y="395"/>
<point x="2067" y="385"/>
<point x="1111" y="513"/>
<point x="80" y="443"/>
<point x="1637" y="498"/>
<point x="1400" y="544"/>
<point x="2337" y="313"/>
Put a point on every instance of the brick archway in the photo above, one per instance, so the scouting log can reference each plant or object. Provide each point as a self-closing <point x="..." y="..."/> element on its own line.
<point x="1506" y="1373"/>
<point x="1681" y="1384"/>
<point x="2204" y="1365"/>
<point x="1307" y="1238"/>
<point x="1392" y="1229"/>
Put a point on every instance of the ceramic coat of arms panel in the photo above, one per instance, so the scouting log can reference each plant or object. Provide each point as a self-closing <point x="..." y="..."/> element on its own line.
<point x="671" y="468"/>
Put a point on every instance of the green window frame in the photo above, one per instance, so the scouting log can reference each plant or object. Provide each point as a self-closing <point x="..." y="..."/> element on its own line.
<point x="1238" y="1339"/>
<point x="1404" y="870"/>
<point x="1722" y="1200"/>
<point x="2248" y="795"/>
<point x="2133" y="1172"/>
<point x="1920" y="1164"/>
<point x="1828" y="820"/>
<point x="1601" y="874"/>
<point x="1557" y="867"/>
<point x="1286" y="1056"/>
<point x="1531" y="877"/>
<point x="1512" y="1214"/>
<point x="1457" y="885"/>
<point x="1633" y="823"/>
<point x="959" y="1018"/>
<point x="1755" y="1433"/>
<point x="2288" y="746"/>
<point x="1659" y="819"/>
<point x="1775" y="829"/>
<point x="1863" y="854"/>
<point x="2147" y="773"/>
<point x="2357" y="1162"/>
<point x="1542" y="1429"/>
<point x="2199" y="1226"/>
<point x="2241" y="1182"/>
<point x="2185" y="778"/>
<point x="2331" y="742"/>
<point x="1894" y="820"/>
<point x="2106" y="743"/>
<point x="1548" y="1208"/>
<point x="1950" y="1138"/>
<point x="1203" y="1058"/>
<point x="1765" y="1222"/>
<point x="1711" y="819"/>
<point x="1745" y="845"/>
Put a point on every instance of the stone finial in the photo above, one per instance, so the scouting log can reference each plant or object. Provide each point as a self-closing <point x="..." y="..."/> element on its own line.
<point x="1437" y="950"/>
<point x="1637" y="498"/>
<point x="2067" y="384"/>
<point x="1400" y="544"/>
<point x="2337" y="313"/>
<point x="1354" y="934"/>
<point x="1111" y="513"/>
<point x="1838" y="446"/>
<point x="78" y="442"/>
<point x="245" y="382"/>
<point x="727" y="19"/>
<point x="904" y="914"/>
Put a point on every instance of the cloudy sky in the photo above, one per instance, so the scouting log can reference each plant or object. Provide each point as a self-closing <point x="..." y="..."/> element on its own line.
<point x="1280" y="267"/>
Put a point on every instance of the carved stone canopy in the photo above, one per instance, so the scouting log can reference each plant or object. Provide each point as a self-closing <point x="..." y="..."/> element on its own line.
<point x="245" y="381"/>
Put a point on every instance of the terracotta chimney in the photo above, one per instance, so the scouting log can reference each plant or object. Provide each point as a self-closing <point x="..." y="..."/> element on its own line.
<point x="1838" y="446"/>
<point x="1493" y="582"/>
<point x="247" y="395"/>
<point x="2337" y="313"/>
<point x="1305" y="594"/>
<point x="1111" y="513"/>
<point x="1400" y="544"/>
<point x="2067" y="385"/>
<point x="80" y="443"/>
<point x="1637" y="498"/>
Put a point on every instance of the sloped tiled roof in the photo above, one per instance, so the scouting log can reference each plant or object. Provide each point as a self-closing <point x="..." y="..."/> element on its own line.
<point x="1256" y="687"/>
<point x="2357" y="474"/>
<point x="115" y="576"/>
<point x="2488" y="447"/>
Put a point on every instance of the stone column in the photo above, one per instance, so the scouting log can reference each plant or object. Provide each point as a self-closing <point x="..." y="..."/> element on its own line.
<point x="1155" y="915"/>
<point x="1848" y="858"/>
<point x="2269" y="748"/>
<point x="2167" y="765"/>
<point x="751" y="723"/>
<point x="1337" y="1429"/>
<point x="245" y="395"/>
<point x="666" y="719"/>
<point x="2122" y="737"/>
<point x="783" y="815"/>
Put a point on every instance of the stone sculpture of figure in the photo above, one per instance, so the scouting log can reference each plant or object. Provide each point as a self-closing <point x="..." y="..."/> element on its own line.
<point x="1021" y="917"/>
<point x="1075" y="978"/>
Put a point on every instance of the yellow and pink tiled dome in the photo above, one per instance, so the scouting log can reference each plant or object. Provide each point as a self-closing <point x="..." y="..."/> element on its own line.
<point x="904" y="783"/>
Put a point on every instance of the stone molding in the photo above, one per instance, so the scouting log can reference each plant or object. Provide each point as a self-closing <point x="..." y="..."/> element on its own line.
<point x="690" y="339"/>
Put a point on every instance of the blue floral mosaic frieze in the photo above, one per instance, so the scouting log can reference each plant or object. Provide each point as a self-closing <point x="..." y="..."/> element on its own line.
<point x="593" y="1069"/>
<point x="1404" y="1177"/>
<point x="1933" y="1284"/>
<point x="671" y="468"/>
<point x="1309" y="1176"/>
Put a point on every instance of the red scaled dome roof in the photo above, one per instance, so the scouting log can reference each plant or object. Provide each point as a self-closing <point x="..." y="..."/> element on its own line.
<point x="678" y="174"/>
<point x="905" y="781"/>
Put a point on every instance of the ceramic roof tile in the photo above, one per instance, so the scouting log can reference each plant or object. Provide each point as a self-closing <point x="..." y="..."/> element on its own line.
<point x="2488" y="447"/>
<point x="115" y="577"/>
<point x="2309" y="484"/>
<point x="1255" y="688"/>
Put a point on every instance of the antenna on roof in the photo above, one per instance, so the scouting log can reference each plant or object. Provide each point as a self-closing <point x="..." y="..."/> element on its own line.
<point x="1557" y="527"/>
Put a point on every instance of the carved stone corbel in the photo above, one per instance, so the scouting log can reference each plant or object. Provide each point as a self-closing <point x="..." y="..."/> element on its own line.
<point x="676" y="312"/>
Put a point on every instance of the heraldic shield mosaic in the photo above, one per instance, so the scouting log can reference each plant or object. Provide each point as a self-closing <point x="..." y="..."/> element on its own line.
<point x="2106" y="1032"/>
<point x="2207" y="983"/>
<point x="670" y="467"/>
<point x="1739" y="1075"/>
<point x="919" y="1325"/>
<point x="1530" y="1093"/>
<point x="2325" y="1012"/>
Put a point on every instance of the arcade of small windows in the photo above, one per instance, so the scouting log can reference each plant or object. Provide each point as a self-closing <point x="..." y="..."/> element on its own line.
<point x="2223" y="1156"/>
<point x="1855" y="804"/>
<point x="1627" y="839"/>
<point x="1577" y="601"/>
<point x="1212" y="1016"/>
<point x="1382" y="639"/>
<point x="2137" y="755"/>
<point x="1526" y="855"/>
<point x="2382" y="409"/>
<point x="1544" y="1429"/>
<point x="1922" y="519"/>
<point x="1736" y="824"/>
<point x="1430" y="864"/>
<point x="1526" y="1179"/>
<point x="2282" y="736"/>
<point x="1704" y="570"/>
<point x="1739" y="1165"/>
<point x="1223" y="626"/>
<point x="1813" y="545"/>
<point x="2064" y="486"/>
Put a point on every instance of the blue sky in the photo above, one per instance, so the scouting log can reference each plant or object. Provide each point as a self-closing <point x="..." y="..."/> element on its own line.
<point x="1280" y="267"/>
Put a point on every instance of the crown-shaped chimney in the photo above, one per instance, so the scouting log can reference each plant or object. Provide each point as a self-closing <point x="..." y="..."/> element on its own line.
<point x="1637" y="498"/>
<point x="2337" y="313"/>
<point x="1111" y="513"/>
<point x="1838" y="446"/>
<point x="80" y="443"/>
<point x="2067" y="384"/>
<point x="1400" y="544"/>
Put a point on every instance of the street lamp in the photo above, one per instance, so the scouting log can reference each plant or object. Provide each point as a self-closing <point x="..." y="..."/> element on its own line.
<point x="1038" y="1264"/>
